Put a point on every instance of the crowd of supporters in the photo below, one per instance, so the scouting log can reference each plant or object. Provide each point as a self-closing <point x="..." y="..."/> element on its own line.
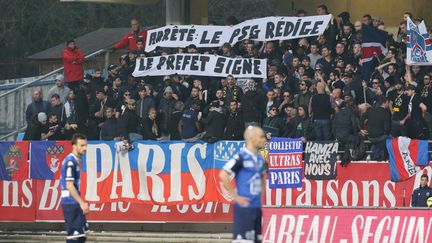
<point x="314" y="90"/>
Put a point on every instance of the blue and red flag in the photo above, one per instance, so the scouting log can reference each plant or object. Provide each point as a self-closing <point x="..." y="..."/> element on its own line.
<point x="373" y="44"/>
<point x="14" y="164"/>
<point x="46" y="158"/>
<point x="419" y="47"/>
<point x="406" y="156"/>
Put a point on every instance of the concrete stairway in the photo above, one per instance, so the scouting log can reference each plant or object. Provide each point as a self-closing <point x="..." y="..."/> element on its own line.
<point x="118" y="237"/>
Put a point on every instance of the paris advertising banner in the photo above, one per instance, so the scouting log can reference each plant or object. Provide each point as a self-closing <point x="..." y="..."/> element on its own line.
<point x="177" y="181"/>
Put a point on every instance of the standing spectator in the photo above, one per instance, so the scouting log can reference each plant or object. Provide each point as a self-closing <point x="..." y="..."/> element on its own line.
<point x="128" y="123"/>
<point x="305" y="95"/>
<point x="270" y="101"/>
<point x="232" y="91"/>
<point x="130" y="86"/>
<point x="214" y="123"/>
<point x="321" y="110"/>
<point x="166" y="108"/>
<point x="35" y="126"/>
<point x="235" y="124"/>
<point x="314" y="54"/>
<point x="426" y="98"/>
<point x="273" y="124"/>
<point x="73" y="60"/>
<point x="290" y="122"/>
<point x="97" y="112"/>
<point x="70" y="115"/>
<point x="326" y="61"/>
<point x="196" y="96"/>
<point x="175" y="120"/>
<point x="415" y="124"/>
<point x="112" y="74"/>
<point x="252" y="105"/>
<point x="57" y="109"/>
<point x="145" y="103"/>
<point x="131" y="38"/>
<point x="303" y="128"/>
<point x="38" y="105"/>
<point x="59" y="88"/>
<point x="114" y="91"/>
<point x="109" y="129"/>
<point x="150" y="127"/>
<point x="378" y="127"/>
<point x="399" y="110"/>
<point x="189" y="125"/>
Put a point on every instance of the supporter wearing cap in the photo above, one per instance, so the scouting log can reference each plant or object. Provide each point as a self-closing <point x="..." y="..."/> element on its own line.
<point x="73" y="60"/>
<point x="415" y="123"/>
<point x="273" y="125"/>
<point x="112" y="74"/>
<point x="59" y="88"/>
<point x="97" y="112"/>
<point x="166" y="108"/>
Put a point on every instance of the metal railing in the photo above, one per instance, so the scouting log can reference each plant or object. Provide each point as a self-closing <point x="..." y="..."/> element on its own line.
<point x="27" y="84"/>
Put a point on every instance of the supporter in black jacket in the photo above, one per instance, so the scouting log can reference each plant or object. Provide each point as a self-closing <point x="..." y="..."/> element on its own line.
<point x="128" y="123"/>
<point x="34" y="128"/>
<point x="214" y="123"/>
<point x="38" y="105"/>
<point x="378" y="127"/>
<point x="235" y="124"/>
<point x="109" y="129"/>
<point x="252" y="105"/>
<point x="174" y="121"/>
<point x="150" y="127"/>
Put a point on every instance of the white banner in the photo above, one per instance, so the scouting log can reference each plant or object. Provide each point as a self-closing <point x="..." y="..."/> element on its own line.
<point x="419" y="48"/>
<point x="262" y="29"/>
<point x="200" y="65"/>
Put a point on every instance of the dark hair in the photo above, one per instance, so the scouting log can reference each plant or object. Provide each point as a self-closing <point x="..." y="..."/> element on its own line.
<point x="367" y="16"/>
<point x="300" y="11"/>
<point x="55" y="96"/>
<point x="139" y="40"/>
<point x="280" y="74"/>
<point x="381" y="100"/>
<point x="425" y="176"/>
<point x="78" y="136"/>
<point x="323" y="6"/>
<point x="394" y="65"/>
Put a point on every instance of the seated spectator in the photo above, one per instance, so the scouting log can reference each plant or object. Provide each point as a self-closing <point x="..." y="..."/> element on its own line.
<point x="150" y="127"/>
<point x="176" y="116"/>
<point x="235" y="125"/>
<point x="214" y="123"/>
<point x="129" y="122"/>
<point x="52" y="130"/>
<point x="35" y="127"/>
<point x="59" y="88"/>
<point x="144" y="103"/>
<point x="109" y="129"/>
<point x="189" y="125"/>
<point x="378" y="128"/>
<point x="37" y="106"/>
<point x="273" y="124"/>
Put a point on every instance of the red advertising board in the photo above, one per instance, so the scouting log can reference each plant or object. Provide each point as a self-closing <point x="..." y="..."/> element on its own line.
<point x="346" y="225"/>
<point x="359" y="184"/>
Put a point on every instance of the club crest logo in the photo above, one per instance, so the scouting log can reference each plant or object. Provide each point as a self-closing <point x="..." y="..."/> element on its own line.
<point x="54" y="155"/>
<point x="419" y="44"/>
<point x="12" y="160"/>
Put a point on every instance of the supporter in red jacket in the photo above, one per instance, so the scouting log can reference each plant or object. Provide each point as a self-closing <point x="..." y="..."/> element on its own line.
<point x="73" y="59"/>
<point x="131" y="38"/>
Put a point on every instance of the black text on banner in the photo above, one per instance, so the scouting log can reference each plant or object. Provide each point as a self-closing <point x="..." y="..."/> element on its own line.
<point x="201" y="65"/>
<point x="320" y="160"/>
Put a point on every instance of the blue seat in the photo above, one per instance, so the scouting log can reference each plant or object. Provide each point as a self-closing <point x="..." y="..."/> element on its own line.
<point x="20" y="136"/>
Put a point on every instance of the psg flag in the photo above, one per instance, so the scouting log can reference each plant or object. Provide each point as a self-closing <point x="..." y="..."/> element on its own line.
<point x="46" y="158"/>
<point x="406" y="156"/>
<point x="373" y="44"/>
<point x="419" y="47"/>
<point x="14" y="164"/>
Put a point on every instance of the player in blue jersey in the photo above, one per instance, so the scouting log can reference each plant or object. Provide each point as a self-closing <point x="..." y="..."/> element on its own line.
<point x="247" y="166"/>
<point x="74" y="207"/>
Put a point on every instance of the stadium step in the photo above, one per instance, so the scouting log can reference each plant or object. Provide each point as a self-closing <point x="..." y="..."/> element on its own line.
<point x="105" y="237"/>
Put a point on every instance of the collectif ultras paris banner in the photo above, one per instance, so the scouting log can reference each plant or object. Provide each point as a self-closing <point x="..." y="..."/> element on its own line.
<point x="201" y="65"/>
<point x="175" y="181"/>
<point x="261" y="29"/>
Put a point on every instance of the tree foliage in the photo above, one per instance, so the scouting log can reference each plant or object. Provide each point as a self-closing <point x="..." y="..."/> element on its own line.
<point x="29" y="26"/>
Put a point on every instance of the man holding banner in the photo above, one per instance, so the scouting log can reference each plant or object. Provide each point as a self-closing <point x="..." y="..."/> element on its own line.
<point x="247" y="168"/>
